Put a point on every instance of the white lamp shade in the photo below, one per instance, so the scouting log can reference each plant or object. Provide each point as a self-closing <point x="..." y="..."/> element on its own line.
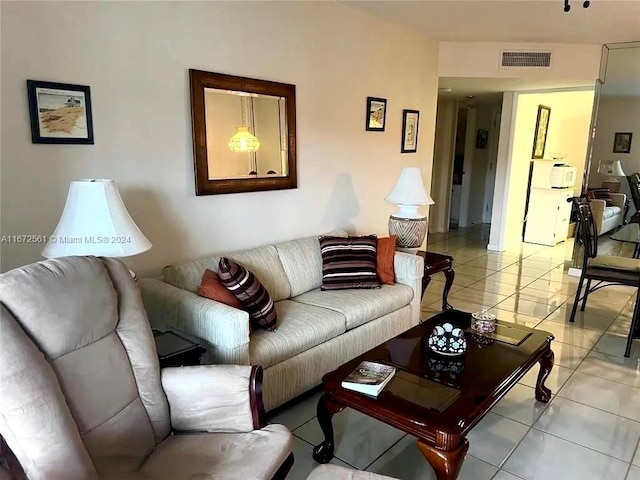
<point x="409" y="189"/>
<point x="95" y="222"/>
<point x="611" y="168"/>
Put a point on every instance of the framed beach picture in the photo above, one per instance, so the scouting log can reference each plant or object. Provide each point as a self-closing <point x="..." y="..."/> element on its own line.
<point x="410" y="131"/>
<point x="60" y="113"/>
<point x="376" y="114"/>
<point x="622" y="142"/>
<point x="540" y="135"/>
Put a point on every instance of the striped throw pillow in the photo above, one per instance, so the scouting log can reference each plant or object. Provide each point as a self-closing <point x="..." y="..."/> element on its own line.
<point x="349" y="262"/>
<point x="249" y="291"/>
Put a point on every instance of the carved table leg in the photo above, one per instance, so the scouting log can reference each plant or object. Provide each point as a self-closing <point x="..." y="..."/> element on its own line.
<point x="543" y="394"/>
<point x="446" y="463"/>
<point x="449" y="275"/>
<point x="323" y="453"/>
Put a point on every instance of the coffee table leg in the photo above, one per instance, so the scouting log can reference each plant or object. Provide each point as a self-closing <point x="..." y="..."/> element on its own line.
<point x="543" y="394"/>
<point x="446" y="463"/>
<point x="449" y="275"/>
<point x="323" y="453"/>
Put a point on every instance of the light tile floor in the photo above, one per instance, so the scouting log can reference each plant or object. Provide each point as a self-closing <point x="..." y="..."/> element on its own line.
<point x="591" y="427"/>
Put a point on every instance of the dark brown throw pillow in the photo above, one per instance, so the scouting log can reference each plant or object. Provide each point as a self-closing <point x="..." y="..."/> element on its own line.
<point x="249" y="291"/>
<point x="349" y="262"/>
<point x="386" y="251"/>
<point x="211" y="287"/>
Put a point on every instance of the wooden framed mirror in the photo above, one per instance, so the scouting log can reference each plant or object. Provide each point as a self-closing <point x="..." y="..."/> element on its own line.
<point x="244" y="133"/>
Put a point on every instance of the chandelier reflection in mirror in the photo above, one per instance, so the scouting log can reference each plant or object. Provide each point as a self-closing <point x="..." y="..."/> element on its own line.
<point x="243" y="141"/>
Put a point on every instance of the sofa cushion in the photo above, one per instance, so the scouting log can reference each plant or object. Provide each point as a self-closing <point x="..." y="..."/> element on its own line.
<point x="360" y="306"/>
<point x="302" y="262"/>
<point x="349" y="262"/>
<point x="247" y="288"/>
<point x="263" y="262"/>
<point x="300" y="327"/>
<point x="611" y="212"/>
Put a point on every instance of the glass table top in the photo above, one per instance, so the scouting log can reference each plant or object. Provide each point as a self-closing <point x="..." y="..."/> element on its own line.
<point x="629" y="233"/>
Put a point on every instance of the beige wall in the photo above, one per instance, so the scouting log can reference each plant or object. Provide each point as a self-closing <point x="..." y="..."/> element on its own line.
<point x="482" y="59"/>
<point x="135" y="56"/>
<point x="568" y="133"/>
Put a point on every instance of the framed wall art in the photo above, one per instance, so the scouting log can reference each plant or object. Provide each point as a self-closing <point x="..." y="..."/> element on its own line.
<point x="410" y="131"/>
<point x="376" y="114"/>
<point x="622" y="142"/>
<point x="540" y="136"/>
<point x="482" y="138"/>
<point x="60" y="113"/>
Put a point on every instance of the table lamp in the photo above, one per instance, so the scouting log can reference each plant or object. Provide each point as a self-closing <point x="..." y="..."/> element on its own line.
<point x="611" y="168"/>
<point x="407" y="222"/>
<point x="95" y="222"/>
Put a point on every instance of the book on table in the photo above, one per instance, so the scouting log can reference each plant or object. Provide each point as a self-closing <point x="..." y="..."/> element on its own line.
<point x="369" y="378"/>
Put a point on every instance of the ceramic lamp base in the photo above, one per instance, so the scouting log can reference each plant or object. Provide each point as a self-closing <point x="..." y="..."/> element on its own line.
<point x="410" y="232"/>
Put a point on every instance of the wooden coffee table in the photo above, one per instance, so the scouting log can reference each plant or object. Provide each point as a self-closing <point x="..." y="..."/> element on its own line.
<point x="415" y="401"/>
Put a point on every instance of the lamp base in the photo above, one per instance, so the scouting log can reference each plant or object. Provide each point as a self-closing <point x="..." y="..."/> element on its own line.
<point x="612" y="185"/>
<point x="410" y="232"/>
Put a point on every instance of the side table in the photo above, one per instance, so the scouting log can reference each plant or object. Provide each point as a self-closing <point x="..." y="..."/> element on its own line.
<point x="435" y="263"/>
<point x="176" y="351"/>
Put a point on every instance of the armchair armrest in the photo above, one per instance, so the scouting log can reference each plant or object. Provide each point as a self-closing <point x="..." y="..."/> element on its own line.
<point x="597" y="210"/>
<point x="215" y="398"/>
<point x="222" y="326"/>
<point x="619" y="200"/>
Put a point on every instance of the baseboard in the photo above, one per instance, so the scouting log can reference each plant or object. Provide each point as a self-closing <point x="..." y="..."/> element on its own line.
<point x="574" y="272"/>
<point x="494" y="248"/>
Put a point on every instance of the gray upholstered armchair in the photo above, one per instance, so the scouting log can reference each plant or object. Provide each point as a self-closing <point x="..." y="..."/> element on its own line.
<point x="82" y="395"/>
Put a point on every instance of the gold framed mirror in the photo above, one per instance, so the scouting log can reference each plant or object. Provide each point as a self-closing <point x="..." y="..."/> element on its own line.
<point x="244" y="133"/>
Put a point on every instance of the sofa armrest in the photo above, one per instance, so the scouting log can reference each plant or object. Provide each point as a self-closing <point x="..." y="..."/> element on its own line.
<point x="214" y="398"/>
<point x="218" y="324"/>
<point x="597" y="210"/>
<point x="619" y="199"/>
<point x="408" y="267"/>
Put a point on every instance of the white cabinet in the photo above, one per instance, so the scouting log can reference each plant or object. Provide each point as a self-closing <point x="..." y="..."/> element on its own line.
<point x="548" y="216"/>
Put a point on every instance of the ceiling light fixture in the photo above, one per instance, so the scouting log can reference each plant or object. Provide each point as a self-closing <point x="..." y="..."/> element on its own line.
<point x="567" y="7"/>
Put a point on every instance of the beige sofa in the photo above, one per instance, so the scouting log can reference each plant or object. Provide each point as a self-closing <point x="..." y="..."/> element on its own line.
<point x="317" y="331"/>
<point x="608" y="218"/>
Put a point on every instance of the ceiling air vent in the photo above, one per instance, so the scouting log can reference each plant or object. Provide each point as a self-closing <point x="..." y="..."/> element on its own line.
<point x="526" y="59"/>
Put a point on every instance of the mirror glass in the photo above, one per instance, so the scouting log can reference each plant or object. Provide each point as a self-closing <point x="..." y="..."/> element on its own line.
<point x="616" y="115"/>
<point x="244" y="136"/>
<point x="263" y="116"/>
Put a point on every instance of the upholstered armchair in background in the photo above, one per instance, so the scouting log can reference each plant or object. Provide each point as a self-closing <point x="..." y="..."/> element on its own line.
<point x="82" y="395"/>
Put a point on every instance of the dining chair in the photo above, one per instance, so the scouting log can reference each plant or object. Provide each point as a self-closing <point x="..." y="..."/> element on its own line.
<point x="606" y="270"/>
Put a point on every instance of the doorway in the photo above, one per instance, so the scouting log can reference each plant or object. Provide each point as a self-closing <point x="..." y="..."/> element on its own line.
<point x="458" y="167"/>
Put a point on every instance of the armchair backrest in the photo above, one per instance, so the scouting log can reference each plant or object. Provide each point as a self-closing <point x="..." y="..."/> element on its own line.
<point x="80" y="389"/>
<point x="587" y="232"/>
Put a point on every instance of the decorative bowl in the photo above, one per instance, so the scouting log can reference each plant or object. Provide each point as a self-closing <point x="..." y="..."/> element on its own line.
<point x="447" y="340"/>
<point x="483" y="321"/>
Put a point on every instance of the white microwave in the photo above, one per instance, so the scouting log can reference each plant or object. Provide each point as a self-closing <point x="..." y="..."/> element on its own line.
<point x="562" y="176"/>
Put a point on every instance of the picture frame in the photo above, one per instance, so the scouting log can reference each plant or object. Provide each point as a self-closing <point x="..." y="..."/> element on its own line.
<point x="60" y="113"/>
<point x="482" y="138"/>
<point x="622" y="142"/>
<point x="540" y="135"/>
<point x="410" y="123"/>
<point x="376" y="114"/>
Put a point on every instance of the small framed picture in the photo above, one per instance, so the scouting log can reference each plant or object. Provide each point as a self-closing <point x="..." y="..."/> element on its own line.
<point x="540" y="135"/>
<point x="410" y="131"/>
<point x="60" y="113"/>
<point x="482" y="138"/>
<point x="376" y="114"/>
<point x="622" y="142"/>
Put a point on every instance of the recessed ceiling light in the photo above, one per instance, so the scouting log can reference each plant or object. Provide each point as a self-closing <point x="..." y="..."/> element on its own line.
<point x="471" y="96"/>
<point x="445" y="89"/>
